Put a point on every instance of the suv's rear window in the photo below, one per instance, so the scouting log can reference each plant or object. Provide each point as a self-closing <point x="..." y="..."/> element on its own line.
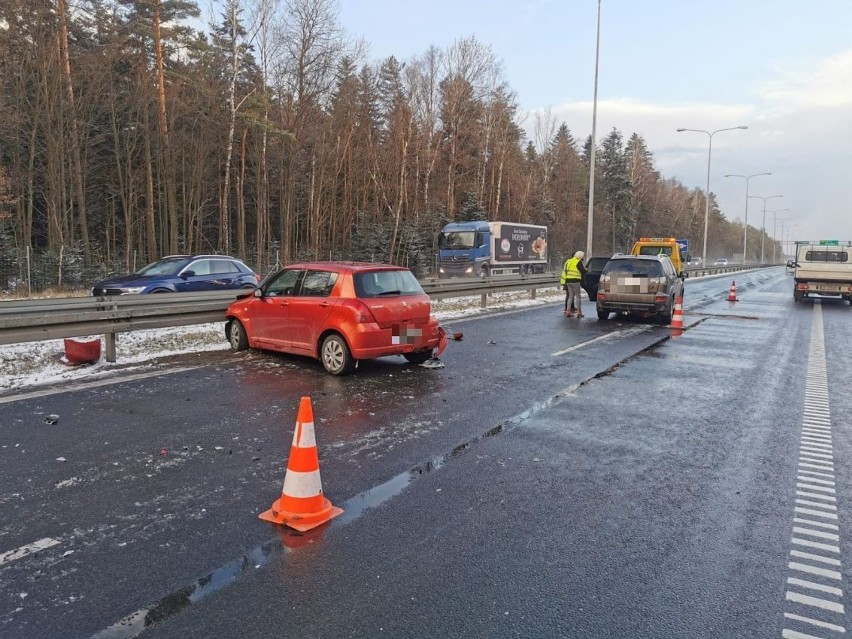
<point x="378" y="283"/>
<point x="636" y="268"/>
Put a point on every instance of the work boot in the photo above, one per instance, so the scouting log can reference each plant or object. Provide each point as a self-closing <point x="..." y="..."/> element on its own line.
<point x="579" y="314"/>
<point x="569" y="314"/>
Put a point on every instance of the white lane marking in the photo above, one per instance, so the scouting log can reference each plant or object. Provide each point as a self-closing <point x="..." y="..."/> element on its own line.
<point x="815" y="570"/>
<point x="813" y="452"/>
<point x="815" y="513"/>
<point x="820" y="489"/>
<point x="816" y="451"/>
<point x="815" y="504"/>
<point x="820" y="558"/>
<point x="815" y="544"/>
<point x="23" y="551"/>
<point x="831" y="590"/>
<point x="815" y="622"/>
<point x="622" y="333"/>
<point x="810" y="459"/>
<point x="817" y="444"/>
<point x="816" y="602"/>
<point x="816" y="533"/>
<point x="792" y="634"/>
<point x="811" y="522"/>
<point x="802" y="493"/>
<point x="813" y="480"/>
<point x="814" y="474"/>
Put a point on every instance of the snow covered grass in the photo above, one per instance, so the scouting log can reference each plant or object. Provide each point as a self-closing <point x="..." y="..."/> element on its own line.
<point x="32" y="364"/>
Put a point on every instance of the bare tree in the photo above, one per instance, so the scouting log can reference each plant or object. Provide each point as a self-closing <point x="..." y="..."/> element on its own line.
<point x="77" y="172"/>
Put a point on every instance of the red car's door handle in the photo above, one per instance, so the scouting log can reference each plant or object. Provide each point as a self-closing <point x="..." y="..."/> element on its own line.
<point x="325" y="305"/>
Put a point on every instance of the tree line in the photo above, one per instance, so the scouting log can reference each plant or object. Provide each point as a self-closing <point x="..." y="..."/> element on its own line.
<point x="131" y="131"/>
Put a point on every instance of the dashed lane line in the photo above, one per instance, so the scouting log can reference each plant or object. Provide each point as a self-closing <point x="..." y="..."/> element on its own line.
<point x="622" y="333"/>
<point x="813" y="595"/>
<point x="23" y="551"/>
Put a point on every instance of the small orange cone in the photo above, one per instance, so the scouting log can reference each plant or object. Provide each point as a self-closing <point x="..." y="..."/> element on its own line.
<point x="302" y="504"/>
<point x="677" y="315"/>
<point x="732" y="293"/>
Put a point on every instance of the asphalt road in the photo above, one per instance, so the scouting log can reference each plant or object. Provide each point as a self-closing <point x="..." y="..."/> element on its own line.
<point x="558" y="478"/>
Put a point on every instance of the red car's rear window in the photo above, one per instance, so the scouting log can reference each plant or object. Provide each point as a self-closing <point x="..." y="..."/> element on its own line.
<point x="386" y="283"/>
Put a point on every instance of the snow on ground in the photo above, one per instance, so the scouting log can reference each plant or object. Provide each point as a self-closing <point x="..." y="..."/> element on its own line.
<point x="32" y="364"/>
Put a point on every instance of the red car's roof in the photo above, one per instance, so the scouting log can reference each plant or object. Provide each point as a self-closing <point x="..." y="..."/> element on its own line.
<point x="347" y="267"/>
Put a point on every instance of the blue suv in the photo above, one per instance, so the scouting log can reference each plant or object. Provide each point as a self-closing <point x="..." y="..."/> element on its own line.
<point x="182" y="273"/>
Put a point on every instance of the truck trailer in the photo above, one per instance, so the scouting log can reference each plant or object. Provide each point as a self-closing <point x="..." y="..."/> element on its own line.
<point x="482" y="249"/>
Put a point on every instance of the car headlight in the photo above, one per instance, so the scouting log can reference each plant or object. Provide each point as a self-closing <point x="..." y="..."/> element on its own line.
<point x="133" y="289"/>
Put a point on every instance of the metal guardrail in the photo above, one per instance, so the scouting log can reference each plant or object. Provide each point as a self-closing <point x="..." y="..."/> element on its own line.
<point x="43" y="319"/>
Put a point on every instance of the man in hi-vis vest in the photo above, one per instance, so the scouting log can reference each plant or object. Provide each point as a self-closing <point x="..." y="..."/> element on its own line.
<point x="572" y="273"/>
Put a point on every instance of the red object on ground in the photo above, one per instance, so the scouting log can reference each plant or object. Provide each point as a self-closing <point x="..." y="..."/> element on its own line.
<point x="732" y="292"/>
<point x="82" y="352"/>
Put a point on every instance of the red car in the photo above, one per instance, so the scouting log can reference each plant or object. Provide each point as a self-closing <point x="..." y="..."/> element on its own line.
<point x="338" y="313"/>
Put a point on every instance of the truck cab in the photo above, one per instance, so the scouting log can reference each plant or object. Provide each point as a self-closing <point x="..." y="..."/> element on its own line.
<point x="667" y="246"/>
<point x="463" y="249"/>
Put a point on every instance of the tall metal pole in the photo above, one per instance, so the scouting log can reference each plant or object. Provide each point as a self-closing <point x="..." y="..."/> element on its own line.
<point x="594" y="133"/>
<point x="763" y="225"/>
<point x="745" y="219"/>
<point x="710" y="135"/>
<point x="775" y="219"/>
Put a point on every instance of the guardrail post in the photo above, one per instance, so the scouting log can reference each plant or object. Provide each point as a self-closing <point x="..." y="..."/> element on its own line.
<point x="483" y="301"/>
<point x="532" y="293"/>
<point x="109" y="340"/>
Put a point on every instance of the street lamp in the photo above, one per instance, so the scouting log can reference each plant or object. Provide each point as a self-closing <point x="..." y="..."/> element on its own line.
<point x="592" y="154"/>
<point x="745" y="220"/>
<point x="787" y="232"/>
<point x="763" y="226"/>
<point x="710" y="135"/>
<point x="775" y="219"/>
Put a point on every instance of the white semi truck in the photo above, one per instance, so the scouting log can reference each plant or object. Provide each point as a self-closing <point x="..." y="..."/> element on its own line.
<point x="823" y="268"/>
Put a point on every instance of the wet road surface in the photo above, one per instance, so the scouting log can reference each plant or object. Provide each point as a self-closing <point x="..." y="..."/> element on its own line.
<point x="557" y="478"/>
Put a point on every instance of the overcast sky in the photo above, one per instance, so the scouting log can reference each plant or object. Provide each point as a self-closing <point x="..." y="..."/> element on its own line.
<point x="781" y="67"/>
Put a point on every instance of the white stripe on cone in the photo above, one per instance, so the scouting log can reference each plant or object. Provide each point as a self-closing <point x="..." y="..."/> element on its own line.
<point x="304" y="436"/>
<point x="298" y="484"/>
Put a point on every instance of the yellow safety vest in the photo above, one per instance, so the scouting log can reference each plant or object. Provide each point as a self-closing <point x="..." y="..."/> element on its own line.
<point x="571" y="273"/>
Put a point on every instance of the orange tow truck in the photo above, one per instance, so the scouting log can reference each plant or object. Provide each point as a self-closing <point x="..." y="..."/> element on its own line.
<point x="660" y="246"/>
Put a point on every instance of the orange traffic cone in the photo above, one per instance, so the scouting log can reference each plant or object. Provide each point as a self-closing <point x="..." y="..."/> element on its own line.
<point x="732" y="293"/>
<point x="302" y="504"/>
<point x="677" y="315"/>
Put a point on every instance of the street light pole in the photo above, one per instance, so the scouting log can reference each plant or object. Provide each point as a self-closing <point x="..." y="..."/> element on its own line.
<point x="710" y="135"/>
<point x="745" y="219"/>
<point x="775" y="219"/>
<point x="594" y="132"/>
<point x="788" y="233"/>
<point x="763" y="226"/>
